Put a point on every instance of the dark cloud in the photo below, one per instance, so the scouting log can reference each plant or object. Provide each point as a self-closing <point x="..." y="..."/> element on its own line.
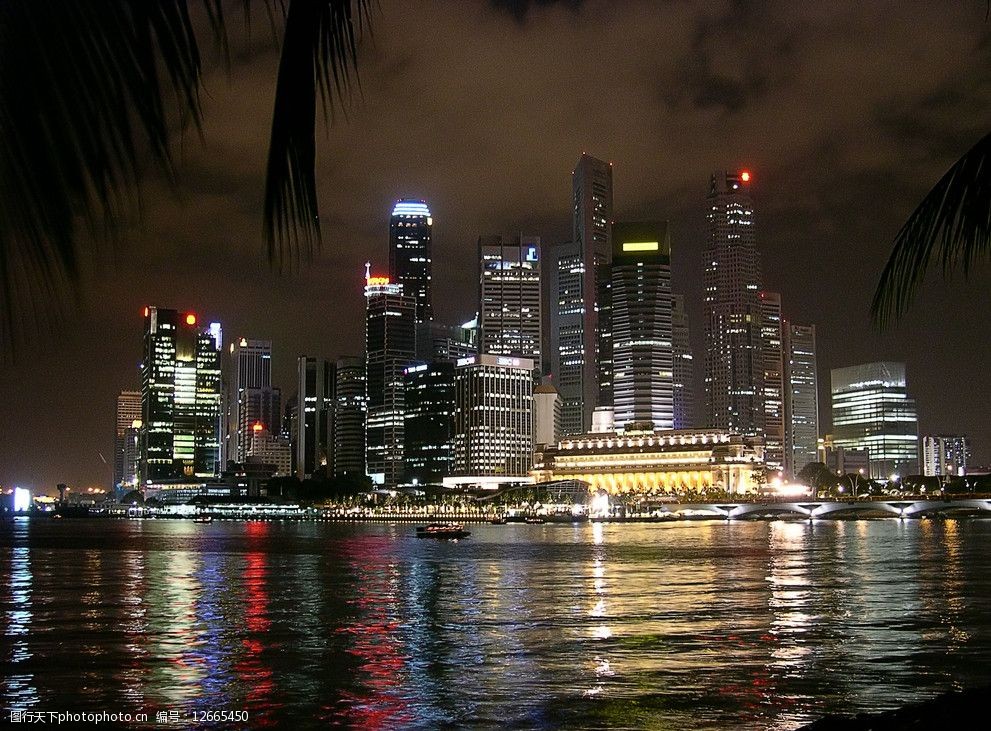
<point x="519" y="8"/>
<point x="846" y="112"/>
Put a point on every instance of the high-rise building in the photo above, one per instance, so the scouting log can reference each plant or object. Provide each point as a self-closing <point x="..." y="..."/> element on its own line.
<point x="872" y="411"/>
<point x="801" y="392"/>
<point x="493" y="427"/>
<point x="639" y="320"/>
<point x="390" y="346"/>
<point x="945" y="455"/>
<point x="436" y="341"/>
<point x="546" y="414"/>
<point x="180" y="397"/>
<point x="128" y="412"/>
<point x="509" y="318"/>
<point x="410" y="257"/>
<point x="251" y="397"/>
<point x="734" y="365"/>
<point x="684" y="365"/>
<point x="349" y="417"/>
<point x="428" y="448"/>
<point x="579" y="270"/>
<point x="268" y="449"/>
<point x="313" y="419"/>
<point x="774" y="399"/>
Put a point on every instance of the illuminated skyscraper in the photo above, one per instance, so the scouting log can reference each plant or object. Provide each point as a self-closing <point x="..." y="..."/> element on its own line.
<point x="734" y="363"/>
<point x="579" y="270"/>
<point x="945" y="455"/>
<point x="349" y="417"/>
<point x="128" y="412"/>
<point x="639" y="320"/>
<point x="493" y="432"/>
<point x="684" y="369"/>
<point x="509" y="297"/>
<point x="180" y="397"/>
<point x="774" y="406"/>
<point x="410" y="246"/>
<point x="428" y="448"/>
<point x="313" y="416"/>
<point x="872" y="411"/>
<point x="390" y="346"/>
<point x="251" y="397"/>
<point x="801" y="391"/>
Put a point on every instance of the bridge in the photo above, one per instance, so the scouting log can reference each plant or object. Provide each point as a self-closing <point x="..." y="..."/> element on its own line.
<point x="812" y="509"/>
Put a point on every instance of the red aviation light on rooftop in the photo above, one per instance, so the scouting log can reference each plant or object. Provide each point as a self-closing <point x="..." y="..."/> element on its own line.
<point x="257" y="426"/>
<point x="190" y="319"/>
<point x="146" y="312"/>
<point x="745" y="176"/>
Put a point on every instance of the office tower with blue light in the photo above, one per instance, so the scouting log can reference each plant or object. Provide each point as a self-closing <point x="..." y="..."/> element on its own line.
<point x="410" y="253"/>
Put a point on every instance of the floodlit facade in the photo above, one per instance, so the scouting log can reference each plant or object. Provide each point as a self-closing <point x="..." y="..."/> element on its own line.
<point x="546" y="414"/>
<point x="734" y="364"/>
<point x="493" y="427"/>
<point x="428" y="449"/>
<point x="390" y="346"/>
<point x="872" y="411"/>
<point x="945" y="455"/>
<point x="128" y="419"/>
<point x="651" y="462"/>
<point x="639" y="320"/>
<point x="801" y="391"/>
<point x="578" y="270"/>
<point x="410" y="253"/>
<point x="509" y="318"/>
<point x="180" y="397"/>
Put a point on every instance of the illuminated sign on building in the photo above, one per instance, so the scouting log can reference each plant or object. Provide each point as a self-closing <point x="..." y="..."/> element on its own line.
<point x="640" y="246"/>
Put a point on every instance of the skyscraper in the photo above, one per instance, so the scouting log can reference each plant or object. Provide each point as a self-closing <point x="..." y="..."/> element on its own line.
<point x="801" y="391"/>
<point x="684" y="368"/>
<point x="872" y="411"/>
<point x="546" y="414"/>
<point x="390" y="346"/>
<point x="734" y="366"/>
<point x="410" y="258"/>
<point x="349" y="417"/>
<point x="509" y="297"/>
<point x="493" y="427"/>
<point x="428" y="448"/>
<point x="251" y="398"/>
<point x="945" y="455"/>
<point x="773" y="365"/>
<point x="312" y="432"/>
<point x="128" y="412"/>
<point x="578" y="273"/>
<point x="180" y="397"/>
<point x="639" y="320"/>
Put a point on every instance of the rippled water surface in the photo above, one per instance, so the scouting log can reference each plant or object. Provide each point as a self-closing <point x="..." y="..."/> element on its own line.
<point x="688" y="625"/>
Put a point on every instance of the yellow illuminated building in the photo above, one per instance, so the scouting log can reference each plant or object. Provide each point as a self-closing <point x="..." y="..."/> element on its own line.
<point x="655" y="461"/>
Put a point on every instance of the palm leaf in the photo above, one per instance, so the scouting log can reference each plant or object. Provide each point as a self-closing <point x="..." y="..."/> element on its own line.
<point x="952" y="225"/>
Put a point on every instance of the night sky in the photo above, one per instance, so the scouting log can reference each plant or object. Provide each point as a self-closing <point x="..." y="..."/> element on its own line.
<point x="845" y="112"/>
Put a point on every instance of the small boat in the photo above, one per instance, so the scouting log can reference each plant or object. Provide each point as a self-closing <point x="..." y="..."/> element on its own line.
<point x="497" y="521"/>
<point x="203" y="519"/>
<point x="535" y="521"/>
<point x="442" y="530"/>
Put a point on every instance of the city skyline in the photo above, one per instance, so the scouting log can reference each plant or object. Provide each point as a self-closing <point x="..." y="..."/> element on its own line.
<point x="813" y="208"/>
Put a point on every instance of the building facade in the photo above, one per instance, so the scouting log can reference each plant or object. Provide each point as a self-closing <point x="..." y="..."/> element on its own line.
<point x="945" y="455"/>
<point x="429" y="422"/>
<point x="410" y="253"/>
<point x="251" y="398"/>
<point x="493" y="427"/>
<point x="390" y="346"/>
<point x="872" y="411"/>
<point x="350" y="412"/>
<point x="546" y="414"/>
<point x="509" y="320"/>
<point x="734" y="364"/>
<point x="645" y="462"/>
<point x="684" y="365"/>
<point x="265" y="448"/>
<point x="180" y="397"/>
<point x="801" y="392"/>
<point x="436" y="341"/>
<point x="312" y="433"/>
<point x="128" y="419"/>
<point x="579" y="270"/>
<point x="773" y="388"/>
<point x="639" y="320"/>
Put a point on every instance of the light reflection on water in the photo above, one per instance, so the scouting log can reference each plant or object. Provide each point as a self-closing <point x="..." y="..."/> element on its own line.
<point x="716" y="624"/>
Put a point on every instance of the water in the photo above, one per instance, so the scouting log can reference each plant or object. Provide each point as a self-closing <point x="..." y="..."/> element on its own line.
<point x="686" y="625"/>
